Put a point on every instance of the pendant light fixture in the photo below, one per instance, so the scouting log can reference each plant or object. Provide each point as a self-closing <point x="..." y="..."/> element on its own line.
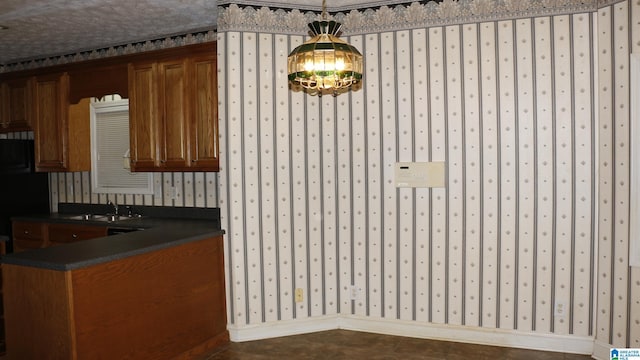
<point x="324" y="64"/>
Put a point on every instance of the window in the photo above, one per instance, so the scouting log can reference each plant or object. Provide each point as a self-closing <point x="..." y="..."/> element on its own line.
<point x="110" y="171"/>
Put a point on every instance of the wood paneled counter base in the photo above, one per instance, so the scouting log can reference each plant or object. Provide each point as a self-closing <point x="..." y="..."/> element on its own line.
<point x="164" y="304"/>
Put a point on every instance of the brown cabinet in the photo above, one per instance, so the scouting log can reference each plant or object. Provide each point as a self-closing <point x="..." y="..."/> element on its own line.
<point x="163" y="303"/>
<point x="28" y="235"/>
<point x="204" y="116"/>
<point x="173" y="109"/>
<point x="62" y="137"/>
<point x="68" y="233"/>
<point x="173" y="114"/>
<point x="173" y="101"/>
<point x="15" y="105"/>
<point x="50" y="115"/>
<point x="143" y="108"/>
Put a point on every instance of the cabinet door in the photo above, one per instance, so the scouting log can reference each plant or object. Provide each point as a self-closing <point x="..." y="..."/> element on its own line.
<point x="4" y="107"/>
<point x="18" y="104"/>
<point x="50" y="106"/>
<point x="15" y="106"/>
<point x="143" y="110"/>
<point x="28" y="235"/>
<point x="204" y="114"/>
<point x="174" y="110"/>
<point x="68" y="233"/>
<point x="79" y="131"/>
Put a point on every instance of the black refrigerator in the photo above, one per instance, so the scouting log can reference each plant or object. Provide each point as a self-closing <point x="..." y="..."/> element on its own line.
<point x="22" y="190"/>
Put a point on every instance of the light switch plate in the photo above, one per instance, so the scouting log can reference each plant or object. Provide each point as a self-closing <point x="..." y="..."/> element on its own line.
<point x="420" y="174"/>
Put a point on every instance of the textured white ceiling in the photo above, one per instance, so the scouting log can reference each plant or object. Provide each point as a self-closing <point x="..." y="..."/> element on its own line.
<point x="43" y="28"/>
<point x="57" y="27"/>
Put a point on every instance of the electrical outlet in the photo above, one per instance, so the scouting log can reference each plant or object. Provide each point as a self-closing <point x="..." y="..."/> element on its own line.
<point x="560" y="309"/>
<point x="355" y="292"/>
<point x="299" y="295"/>
<point x="172" y="192"/>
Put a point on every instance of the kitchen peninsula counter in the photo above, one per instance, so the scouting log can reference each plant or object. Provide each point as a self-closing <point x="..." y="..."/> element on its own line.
<point x="148" y="234"/>
<point x="155" y="293"/>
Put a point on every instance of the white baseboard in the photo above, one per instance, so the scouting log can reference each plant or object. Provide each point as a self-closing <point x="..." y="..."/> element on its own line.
<point x="601" y="350"/>
<point x="466" y="334"/>
<point x="470" y="334"/>
<point x="282" y="328"/>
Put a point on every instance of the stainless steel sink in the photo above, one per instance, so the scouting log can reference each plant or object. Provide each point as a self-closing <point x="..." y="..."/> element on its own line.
<point x="86" y="217"/>
<point x="95" y="217"/>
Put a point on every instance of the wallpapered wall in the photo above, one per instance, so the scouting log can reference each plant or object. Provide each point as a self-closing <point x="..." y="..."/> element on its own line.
<point x="618" y="294"/>
<point x="193" y="189"/>
<point x="514" y="107"/>
<point x="533" y="214"/>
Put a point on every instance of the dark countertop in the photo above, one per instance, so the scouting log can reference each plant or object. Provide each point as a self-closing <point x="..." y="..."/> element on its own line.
<point x="154" y="234"/>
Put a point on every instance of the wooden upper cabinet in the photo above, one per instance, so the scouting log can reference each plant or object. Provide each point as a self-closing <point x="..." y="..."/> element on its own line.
<point x="15" y="105"/>
<point x="204" y="117"/>
<point x="173" y="114"/>
<point x="50" y="115"/>
<point x="143" y="109"/>
<point x="61" y="131"/>
<point x="4" y="114"/>
<point x="173" y="108"/>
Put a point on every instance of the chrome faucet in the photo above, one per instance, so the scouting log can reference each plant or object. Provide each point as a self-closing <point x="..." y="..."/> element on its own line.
<point x="115" y="207"/>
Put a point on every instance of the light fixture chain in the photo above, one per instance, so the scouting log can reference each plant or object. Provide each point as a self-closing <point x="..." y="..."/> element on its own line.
<point x="324" y="9"/>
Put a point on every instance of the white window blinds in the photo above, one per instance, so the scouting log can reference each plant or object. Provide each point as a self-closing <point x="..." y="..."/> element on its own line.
<point x="110" y="151"/>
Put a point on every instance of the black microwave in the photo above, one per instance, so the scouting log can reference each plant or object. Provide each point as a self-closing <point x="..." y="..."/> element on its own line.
<point x="16" y="156"/>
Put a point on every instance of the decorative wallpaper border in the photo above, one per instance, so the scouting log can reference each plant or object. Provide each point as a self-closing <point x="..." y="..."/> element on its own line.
<point x="399" y="17"/>
<point x="150" y="45"/>
<point x="384" y="18"/>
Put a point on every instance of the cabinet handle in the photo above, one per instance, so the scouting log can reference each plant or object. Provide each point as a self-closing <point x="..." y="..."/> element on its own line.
<point x="75" y="236"/>
<point x="26" y="232"/>
<point x="163" y="161"/>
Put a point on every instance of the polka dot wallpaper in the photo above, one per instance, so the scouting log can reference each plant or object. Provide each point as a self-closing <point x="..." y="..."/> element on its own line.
<point x="533" y="216"/>
<point x="618" y="291"/>
<point x="531" y="116"/>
